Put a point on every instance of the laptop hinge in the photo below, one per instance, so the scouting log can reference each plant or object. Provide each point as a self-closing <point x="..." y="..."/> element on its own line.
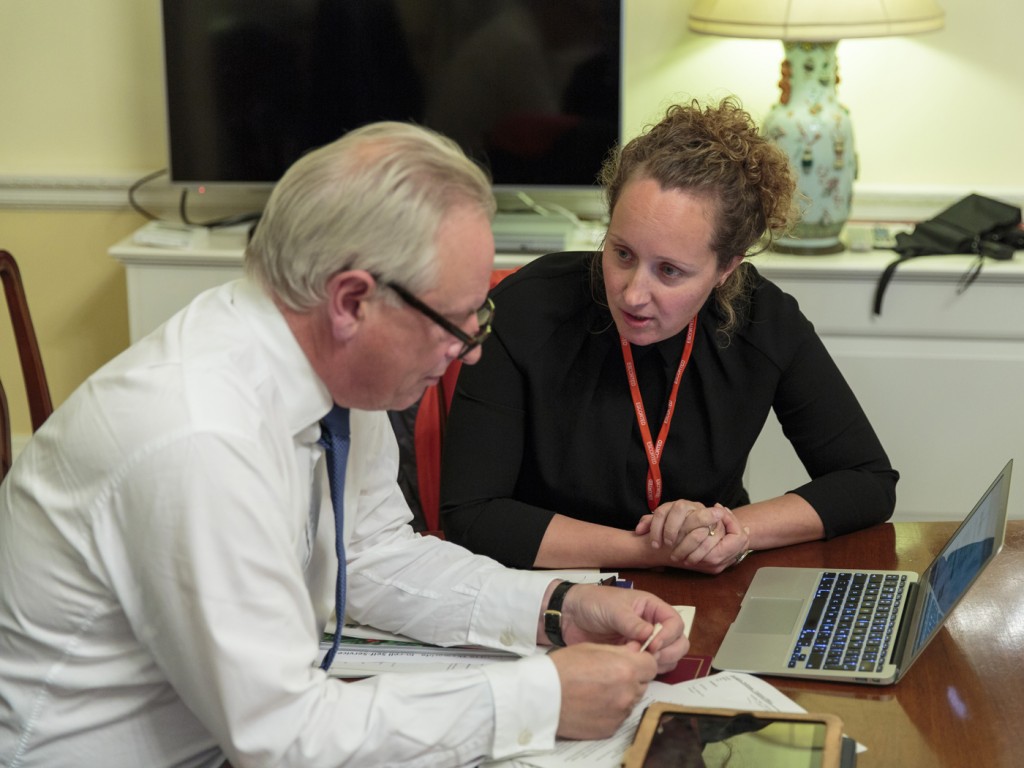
<point x="909" y="600"/>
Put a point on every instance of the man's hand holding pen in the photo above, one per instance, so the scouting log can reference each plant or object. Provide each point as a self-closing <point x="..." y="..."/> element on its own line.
<point x="614" y="649"/>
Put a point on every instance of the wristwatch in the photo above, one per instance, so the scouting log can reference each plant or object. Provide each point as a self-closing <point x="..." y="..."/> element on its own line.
<point x="553" y="614"/>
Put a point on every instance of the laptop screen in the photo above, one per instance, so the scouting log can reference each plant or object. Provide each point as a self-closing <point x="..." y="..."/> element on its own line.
<point x="948" y="578"/>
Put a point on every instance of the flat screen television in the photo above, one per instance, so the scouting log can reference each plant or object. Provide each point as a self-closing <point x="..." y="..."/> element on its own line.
<point x="529" y="88"/>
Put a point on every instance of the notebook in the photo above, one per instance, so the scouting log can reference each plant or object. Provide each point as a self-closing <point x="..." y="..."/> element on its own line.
<point x="796" y="621"/>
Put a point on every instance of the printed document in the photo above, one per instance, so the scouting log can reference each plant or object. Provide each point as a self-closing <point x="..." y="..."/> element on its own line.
<point x="725" y="690"/>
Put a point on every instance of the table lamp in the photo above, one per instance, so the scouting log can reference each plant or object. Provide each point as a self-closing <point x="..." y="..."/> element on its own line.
<point x="808" y="122"/>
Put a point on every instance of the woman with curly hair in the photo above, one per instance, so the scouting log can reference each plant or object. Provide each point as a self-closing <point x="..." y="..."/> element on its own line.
<point x="610" y="420"/>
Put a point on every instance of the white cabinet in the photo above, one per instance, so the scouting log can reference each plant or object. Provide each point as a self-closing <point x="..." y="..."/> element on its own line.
<point x="939" y="373"/>
<point x="162" y="280"/>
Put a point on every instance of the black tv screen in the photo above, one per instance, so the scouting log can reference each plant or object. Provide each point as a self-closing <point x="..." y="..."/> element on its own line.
<point x="530" y="88"/>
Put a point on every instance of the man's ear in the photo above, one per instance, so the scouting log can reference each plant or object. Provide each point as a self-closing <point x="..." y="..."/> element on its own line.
<point x="346" y="304"/>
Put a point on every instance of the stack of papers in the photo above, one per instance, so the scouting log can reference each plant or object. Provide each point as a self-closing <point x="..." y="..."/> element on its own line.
<point x="726" y="690"/>
<point x="365" y="651"/>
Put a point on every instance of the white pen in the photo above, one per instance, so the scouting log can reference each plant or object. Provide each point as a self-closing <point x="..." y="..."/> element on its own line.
<point x="654" y="634"/>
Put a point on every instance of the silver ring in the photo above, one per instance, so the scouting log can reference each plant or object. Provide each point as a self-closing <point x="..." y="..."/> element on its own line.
<point x="742" y="556"/>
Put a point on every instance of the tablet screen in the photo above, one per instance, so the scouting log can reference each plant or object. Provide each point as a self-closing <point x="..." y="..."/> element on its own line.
<point x="688" y="740"/>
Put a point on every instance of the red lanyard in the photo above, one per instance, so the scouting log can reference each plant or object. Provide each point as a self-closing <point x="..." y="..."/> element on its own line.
<point x="654" y="449"/>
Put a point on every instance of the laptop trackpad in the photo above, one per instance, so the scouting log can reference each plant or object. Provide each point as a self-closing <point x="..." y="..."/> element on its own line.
<point x="769" y="616"/>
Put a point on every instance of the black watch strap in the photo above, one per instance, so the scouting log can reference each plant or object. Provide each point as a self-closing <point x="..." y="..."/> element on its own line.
<point x="553" y="614"/>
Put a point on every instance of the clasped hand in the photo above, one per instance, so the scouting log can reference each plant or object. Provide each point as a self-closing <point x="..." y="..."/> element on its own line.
<point x="690" y="535"/>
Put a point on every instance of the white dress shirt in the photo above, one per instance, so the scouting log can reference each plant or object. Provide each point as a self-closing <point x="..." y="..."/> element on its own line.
<point x="167" y="568"/>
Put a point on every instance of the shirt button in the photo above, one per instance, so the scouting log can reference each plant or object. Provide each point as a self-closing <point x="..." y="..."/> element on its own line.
<point x="508" y="637"/>
<point x="525" y="737"/>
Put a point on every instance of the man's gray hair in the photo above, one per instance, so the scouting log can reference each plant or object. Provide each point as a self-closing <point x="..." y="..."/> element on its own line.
<point x="372" y="200"/>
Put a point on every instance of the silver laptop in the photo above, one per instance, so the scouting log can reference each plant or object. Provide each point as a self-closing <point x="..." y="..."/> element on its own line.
<point x="860" y="626"/>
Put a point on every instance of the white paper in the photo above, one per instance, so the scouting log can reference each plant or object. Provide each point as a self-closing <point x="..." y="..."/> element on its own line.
<point x="396" y="653"/>
<point x="725" y="690"/>
<point x="687" y="614"/>
<point x="375" y="660"/>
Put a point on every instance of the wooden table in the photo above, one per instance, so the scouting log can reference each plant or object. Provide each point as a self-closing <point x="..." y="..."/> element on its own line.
<point x="961" y="703"/>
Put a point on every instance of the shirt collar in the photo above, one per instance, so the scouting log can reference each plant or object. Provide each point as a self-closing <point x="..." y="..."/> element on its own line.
<point x="305" y="397"/>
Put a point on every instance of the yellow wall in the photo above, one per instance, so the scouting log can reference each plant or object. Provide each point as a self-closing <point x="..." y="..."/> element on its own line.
<point x="76" y="293"/>
<point x="81" y="85"/>
<point x="942" y="109"/>
<point x="81" y="89"/>
<point x="81" y="93"/>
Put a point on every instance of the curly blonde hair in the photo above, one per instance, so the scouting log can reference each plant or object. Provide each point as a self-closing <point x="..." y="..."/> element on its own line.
<point x="718" y="153"/>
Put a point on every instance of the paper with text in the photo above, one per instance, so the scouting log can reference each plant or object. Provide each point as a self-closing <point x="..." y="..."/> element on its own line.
<point x="366" y="651"/>
<point x="726" y="690"/>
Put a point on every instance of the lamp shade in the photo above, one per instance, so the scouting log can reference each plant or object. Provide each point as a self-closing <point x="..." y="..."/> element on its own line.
<point x="815" y="20"/>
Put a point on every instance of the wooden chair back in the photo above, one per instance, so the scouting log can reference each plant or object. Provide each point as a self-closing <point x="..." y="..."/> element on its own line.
<point x="40" y="405"/>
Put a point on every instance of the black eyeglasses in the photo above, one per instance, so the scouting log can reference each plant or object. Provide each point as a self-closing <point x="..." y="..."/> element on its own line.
<point x="484" y="317"/>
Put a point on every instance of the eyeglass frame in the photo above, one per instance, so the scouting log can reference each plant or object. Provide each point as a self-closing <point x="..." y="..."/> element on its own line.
<point x="469" y="342"/>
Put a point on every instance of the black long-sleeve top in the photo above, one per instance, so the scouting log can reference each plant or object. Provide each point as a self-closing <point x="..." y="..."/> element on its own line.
<point x="545" y="423"/>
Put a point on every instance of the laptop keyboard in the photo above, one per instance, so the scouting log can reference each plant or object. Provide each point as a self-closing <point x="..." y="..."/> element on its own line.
<point x="851" y="622"/>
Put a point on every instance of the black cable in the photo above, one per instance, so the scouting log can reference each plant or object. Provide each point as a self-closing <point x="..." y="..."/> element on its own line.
<point x="135" y="188"/>
<point x="228" y="221"/>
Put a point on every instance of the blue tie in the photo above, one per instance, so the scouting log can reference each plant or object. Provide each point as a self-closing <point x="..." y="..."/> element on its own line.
<point x="334" y="437"/>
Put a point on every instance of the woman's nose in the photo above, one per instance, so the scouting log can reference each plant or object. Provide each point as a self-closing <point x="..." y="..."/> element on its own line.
<point x="637" y="290"/>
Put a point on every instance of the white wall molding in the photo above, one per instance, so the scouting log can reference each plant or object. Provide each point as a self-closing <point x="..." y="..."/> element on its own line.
<point x="64" y="192"/>
<point x="871" y="202"/>
<point x="159" y="197"/>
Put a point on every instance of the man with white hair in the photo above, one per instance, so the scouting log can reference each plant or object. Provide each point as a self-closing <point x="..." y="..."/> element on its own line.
<point x="168" y="549"/>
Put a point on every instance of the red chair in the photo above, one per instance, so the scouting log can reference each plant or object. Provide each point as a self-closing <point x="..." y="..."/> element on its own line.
<point x="40" y="405"/>
<point x="428" y="435"/>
